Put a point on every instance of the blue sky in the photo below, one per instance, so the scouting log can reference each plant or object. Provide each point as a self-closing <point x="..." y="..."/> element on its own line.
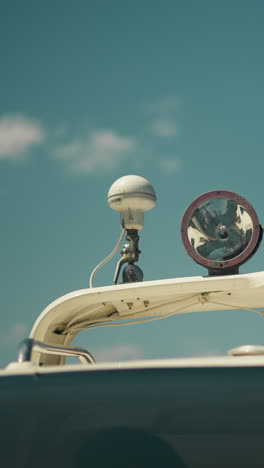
<point x="92" y="91"/>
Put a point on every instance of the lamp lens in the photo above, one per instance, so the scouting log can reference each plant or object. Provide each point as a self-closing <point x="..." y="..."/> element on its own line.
<point x="220" y="229"/>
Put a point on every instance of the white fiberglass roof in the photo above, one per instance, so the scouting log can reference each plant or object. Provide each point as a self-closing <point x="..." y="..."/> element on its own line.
<point x="67" y="316"/>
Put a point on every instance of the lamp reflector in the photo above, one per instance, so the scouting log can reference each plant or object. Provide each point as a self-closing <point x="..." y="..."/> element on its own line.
<point x="220" y="230"/>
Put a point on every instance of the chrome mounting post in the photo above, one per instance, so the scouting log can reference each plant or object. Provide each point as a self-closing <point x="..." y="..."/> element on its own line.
<point x="29" y="345"/>
<point x="129" y="254"/>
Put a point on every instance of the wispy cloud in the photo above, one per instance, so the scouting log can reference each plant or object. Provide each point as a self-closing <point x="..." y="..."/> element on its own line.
<point x="17" y="135"/>
<point x="164" y="116"/>
<point x="16" y="333"/>
<point x="198" y="346"/>
<point x="170" y="165"/>
<point x="92" y="150"/>
<point x="102" y="149"/>
<point x="164" y="128"/>
<point x="121" y="352"/>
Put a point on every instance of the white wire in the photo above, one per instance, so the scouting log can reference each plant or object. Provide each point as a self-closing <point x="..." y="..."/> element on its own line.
<point x="107" y="258"/>
<point x="76" y="328"/>
<point x="80" y="325"/>
<point x="150" y="319"/>
<point x="237" y="307"/>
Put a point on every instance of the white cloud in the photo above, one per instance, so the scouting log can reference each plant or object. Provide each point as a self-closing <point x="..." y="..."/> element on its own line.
<point x="17" y="135"/>
<point x="170" y="165"/>
<point x="16" y="333"/>
<point x="97" y="151"/>
<point x="121" y="352"/>
<point x="101" y="150"/>
<point x="195" y="346"/>
<point x="165" y="128"/>
<point x="70" y="150"/>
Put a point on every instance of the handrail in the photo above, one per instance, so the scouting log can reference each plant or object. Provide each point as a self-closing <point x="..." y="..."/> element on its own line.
<point x="29" y="344"/>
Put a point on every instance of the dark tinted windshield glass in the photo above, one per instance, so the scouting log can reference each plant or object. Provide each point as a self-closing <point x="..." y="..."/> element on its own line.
<point x="194" y="418"/>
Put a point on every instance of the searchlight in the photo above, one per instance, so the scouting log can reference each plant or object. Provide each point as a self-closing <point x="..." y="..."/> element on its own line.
<point x="220" y="230"/>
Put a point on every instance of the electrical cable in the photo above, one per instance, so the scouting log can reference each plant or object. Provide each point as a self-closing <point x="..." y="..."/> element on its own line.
<point x="107" y="258"/>
<point x="236" y="307"/>
<point x="79" y="323"/>
<point x="97" y="324"/>
<point x="150" y="319"/>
